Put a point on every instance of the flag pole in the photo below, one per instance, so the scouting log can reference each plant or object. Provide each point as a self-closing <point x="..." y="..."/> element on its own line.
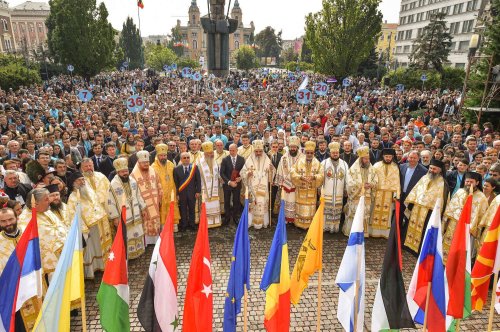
<point x="318" y="314"/>
<point x="493" y="300"/>
<point x="356" y="290"/>
<point x="139" y="18"/>
<point x="82" y="298"/>
<point x="429" y="286"/>
<point x="457" y="325"/>
<point x="245" y="296"/>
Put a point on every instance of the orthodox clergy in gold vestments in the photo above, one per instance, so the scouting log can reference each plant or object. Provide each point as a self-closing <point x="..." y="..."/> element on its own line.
<point x="124" y="190"/>
<point x="220" y="154"/>
<point x="388" y="188"/>
<point x="209" y="174"/>
<point x="57" y="206"/>
<point x="334" y="187"/>
<point x="257" y="174"/>
<point x="164" y="168"/>
<point x="51" y="232"/>
<point x="246" y="149"/>
<point x="454" y="209"/>
<point x="98" y="181"/>
<point x="95" y="224"/>
<point x="487" y="219"/>
<point x="361" y="180"/>
<point x="9" y="238"/>
<point x="283" y="176"/>
<point x="150" y="188"/>
<point x="307" y="176"/>
<point x="420" y="202"/>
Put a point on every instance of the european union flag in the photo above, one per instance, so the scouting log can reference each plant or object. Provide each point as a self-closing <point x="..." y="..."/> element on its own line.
<point x="239" y="275"/>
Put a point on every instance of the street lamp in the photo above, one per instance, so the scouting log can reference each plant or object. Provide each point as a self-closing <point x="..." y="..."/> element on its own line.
<point x="473" y="46"/>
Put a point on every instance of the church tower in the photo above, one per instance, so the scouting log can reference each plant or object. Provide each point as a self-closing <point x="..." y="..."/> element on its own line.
<point x="237" y="13"/>
<point x="194" y="14"/>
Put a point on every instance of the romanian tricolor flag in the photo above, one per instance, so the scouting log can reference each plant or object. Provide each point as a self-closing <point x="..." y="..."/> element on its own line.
<point x="140" y="4"/>
<point x="310" y="258"/>
<point x="276" y="280"/>
<point x="66" y="285"/>
<point x="487" y="263"/>
<point x="458" y="266"/>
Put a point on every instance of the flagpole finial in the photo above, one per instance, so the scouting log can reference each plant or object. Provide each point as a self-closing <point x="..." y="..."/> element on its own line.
<point x="246" y="193"/>
<point x="471" y="190"/>
<point x="33" y="201"/>
<point x="78" y="195"/>
<point x="124" y="200"/>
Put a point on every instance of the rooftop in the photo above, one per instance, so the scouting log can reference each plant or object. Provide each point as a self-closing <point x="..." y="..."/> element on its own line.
<point x="32" y="5"/>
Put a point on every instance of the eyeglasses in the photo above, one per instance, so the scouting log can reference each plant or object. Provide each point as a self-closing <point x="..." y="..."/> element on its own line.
<point x="185" y="157"/>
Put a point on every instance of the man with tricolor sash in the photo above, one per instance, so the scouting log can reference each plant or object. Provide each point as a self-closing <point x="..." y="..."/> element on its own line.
<point x="454" y="208"/>
<point x="209" y="174"/>
<point x="188" y="183"/>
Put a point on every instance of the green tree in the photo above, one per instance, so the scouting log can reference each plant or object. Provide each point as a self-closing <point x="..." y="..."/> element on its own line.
<point x="131" y="43"/>
<point x="342" y="34"/>
<point x="269" y="43"/>
<point x="15" y="72"/>
<point x="374" y="65"/>
<point x="245" y="58"/>
<point x="432" y="47"/>
<point x="305" y="53"/>
<point x="289" y="55"/>
<point x="187" y="62"/>
<point x="158" y="55"/>
<point x="79" y="34"/>
<point x="175" y="41"/>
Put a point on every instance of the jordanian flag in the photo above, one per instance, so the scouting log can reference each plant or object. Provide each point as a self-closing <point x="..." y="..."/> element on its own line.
<point x="157" y="309"/>
<point x="458" y="267"/>
<point x="113" y="295"/>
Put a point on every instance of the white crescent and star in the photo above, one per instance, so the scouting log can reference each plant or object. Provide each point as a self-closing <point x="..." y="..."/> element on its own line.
<point x="207" y="290"/>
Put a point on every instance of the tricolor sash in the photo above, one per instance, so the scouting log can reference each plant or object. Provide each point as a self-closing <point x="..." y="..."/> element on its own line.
<point x="188" y="179"/>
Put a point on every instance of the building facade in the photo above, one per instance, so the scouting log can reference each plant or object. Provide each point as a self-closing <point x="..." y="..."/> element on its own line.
<point x="22" y="28"/>
<point x="386" y="44"/>
<point x="414" y="15"/>
<point x="194" y="39"/>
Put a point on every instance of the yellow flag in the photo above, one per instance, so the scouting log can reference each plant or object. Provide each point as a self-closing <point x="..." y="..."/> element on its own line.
<point x="310" y="257"/>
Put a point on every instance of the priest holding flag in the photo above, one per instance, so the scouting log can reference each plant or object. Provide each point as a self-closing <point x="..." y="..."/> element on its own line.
<point x="276" y="280"/>
<point x="157" y="310"/>
<point x="239" y="276"/>
<point x="351" y="275"/>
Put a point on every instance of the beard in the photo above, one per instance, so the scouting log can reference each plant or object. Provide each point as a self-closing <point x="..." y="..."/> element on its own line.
<point x="124" y="178"/>
<point x="433" y="176"/>
<point x="335" y="158"/>
<point x="57" y="206"/>
<point x="84" y="192"/>
<point x="88" y="174"/>
<point x="163" y="162"/>
<point x="467" y="188"/>
<point x="11" y="229"/>
<point x="364" y="165"/>
<point x="387" y="162"/>
<point x="293" y="153"/>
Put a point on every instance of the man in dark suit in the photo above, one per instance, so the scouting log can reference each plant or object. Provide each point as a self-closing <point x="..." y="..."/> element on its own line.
<point x="101" y="162"/>
<point x="375" y="151"/>
<point x="190" y="191"/>
<point x="409" y="175"/>
<point x="456" y="178"/>
<point x="275" y="157"/>
<point x="230" y="173"/>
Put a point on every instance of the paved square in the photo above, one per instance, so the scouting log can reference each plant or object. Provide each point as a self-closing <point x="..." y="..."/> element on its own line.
<point x="303" y="317"/>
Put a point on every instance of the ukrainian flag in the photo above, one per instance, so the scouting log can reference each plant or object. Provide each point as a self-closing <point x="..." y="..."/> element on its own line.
<point x="276" y="280"/>
<point x="66" y="285"/>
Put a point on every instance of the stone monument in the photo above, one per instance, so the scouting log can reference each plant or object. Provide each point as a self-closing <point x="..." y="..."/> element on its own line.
<point x="218" y="27"/>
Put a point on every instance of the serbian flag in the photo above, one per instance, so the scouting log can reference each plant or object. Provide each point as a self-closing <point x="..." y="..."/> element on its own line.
<point x="390" y="310"/>
<point x="198" y="305"/>
<point x="430" y="270"/>
<point x="487" y="263"/>
<point x="21" y="278"/>
<point x="351" y="275"/>
<point x="140" y="4"/>
<point x="310" y="258"/>
<point x="239" y="275"/>
<point x="113" y="294"/>
<point x="458" y="266"/>
<point x="157" y="309"/>
<point x="276" y="280"/>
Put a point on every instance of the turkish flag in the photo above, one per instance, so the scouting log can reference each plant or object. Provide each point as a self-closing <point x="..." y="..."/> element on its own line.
<point x="198" y="304"/>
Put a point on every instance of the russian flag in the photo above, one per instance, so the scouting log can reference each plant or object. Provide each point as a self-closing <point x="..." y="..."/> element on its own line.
<point x="351" y="275"/>
<point x="276" y="280"/>
<point x="21" y="278"/>
<point x="429" y="272"/>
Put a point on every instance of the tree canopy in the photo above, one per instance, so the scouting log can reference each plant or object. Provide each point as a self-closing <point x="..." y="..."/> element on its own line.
<point x="269" y="43"/>
<point x="342" y="34"/>
<point x="79" y="34"/>
<point x="158" y="55"/>
<point x="245" y="58"/>
<point x="131" y="44"/>
<point x="432" y="47"/>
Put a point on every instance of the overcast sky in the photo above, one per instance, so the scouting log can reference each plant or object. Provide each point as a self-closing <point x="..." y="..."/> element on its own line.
<point x="159" y="16"/>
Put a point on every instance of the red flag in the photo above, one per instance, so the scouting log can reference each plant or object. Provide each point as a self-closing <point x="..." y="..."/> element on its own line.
<point x="458" y="266"/>
<point x="140" y="4"/>
<point x="198" y="304"/>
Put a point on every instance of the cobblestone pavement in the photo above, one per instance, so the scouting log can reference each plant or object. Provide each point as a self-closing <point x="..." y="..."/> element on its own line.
<point x="303" y="317"/>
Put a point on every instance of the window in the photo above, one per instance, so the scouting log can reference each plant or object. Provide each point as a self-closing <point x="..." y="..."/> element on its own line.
<point x="455" y="9"/>
<point x="40" y="28"/>
<point x="398" y="49"/>
<point x="467" y="26"/>
<point x="8" y="45"/>
<point x="454" y="28"/>
<point x="410" y="18"/>
<point x="400" y="35"/>
<point x="195" y="44"/>
<point x="402" y="20"/>
<point x="236" y="44"/>
<point x="406" y="49"/>
<point x="194" y="35"/>
<point x="412" y="5"/>
<point x="463" y="45"/>
<point x="5" y="26"/>
<point x="408" y="34"/>
<point x="453" y="45"/>
<point x="419" y="32"/>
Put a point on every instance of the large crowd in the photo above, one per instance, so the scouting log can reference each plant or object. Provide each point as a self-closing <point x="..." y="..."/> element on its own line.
<point x="58" y="151"/>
